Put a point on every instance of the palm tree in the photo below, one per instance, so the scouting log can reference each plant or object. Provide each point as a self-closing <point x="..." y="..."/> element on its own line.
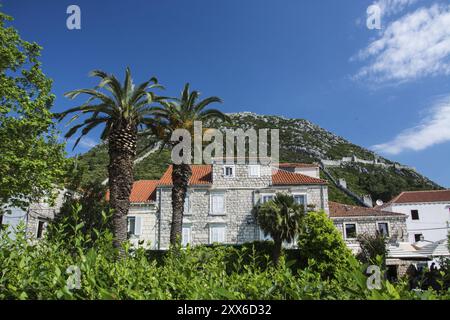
<point x="281" y="219"/>
<point x="122" y="110"/>
<point x="181" y="114"/>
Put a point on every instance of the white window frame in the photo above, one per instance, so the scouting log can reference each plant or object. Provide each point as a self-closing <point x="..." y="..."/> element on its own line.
<point x="137" y="226"/>
<point x="189" y="227"/>
<point x="261" y="198"/>
<point x="213" y="226"/>
<point x="345" y="230"/>
<point x="233" y="167"/>
<point x="388" y="227"/>
<point x="304" y="194"/>
<point x="211" y="211"/>
<point x="254" y="166"/>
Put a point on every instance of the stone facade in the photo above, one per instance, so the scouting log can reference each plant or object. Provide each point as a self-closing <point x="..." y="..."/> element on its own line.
<point x="240" y="193"/>
<point x="369" y="225"/>
<point x="40" y="213"/>
<point x="147" y="233"/>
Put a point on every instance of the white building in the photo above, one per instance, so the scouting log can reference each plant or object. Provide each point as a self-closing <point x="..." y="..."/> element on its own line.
<point x="428" y="213"/>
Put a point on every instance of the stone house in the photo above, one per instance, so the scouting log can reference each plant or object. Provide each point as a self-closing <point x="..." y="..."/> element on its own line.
<point x="354" y="220"/>
<point x="219" y="201"/>
<point x="35" y="217"/>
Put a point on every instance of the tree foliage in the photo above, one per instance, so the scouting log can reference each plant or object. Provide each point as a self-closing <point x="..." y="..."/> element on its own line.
<point x="181" y="113"/>
<point x="123" y="110"/>
<point x="281" y="218"/>
<point x="322" y="246"/>
<point x="32" y="162"/>
<point x="38" y="271"/>
<point x="372" y="247"/>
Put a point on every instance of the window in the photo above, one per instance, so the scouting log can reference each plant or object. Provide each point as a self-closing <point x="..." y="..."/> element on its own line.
<point x="300" y="199"/>
<point x="217" y="233"/>
<point x="254" y="170"/>
<point x="350" y="230"/>
<point x="186" y="235"/>
<point x="264" y="237"/>
<point x="134" y="226"/>
<point x="228" y="171"/>
<point x="383" y="228"/>
<point x="186" y="210"/>
<point x="415" y="214"/>
<point x="267" y="197"/>
<point x="40" y="229"/>
<point x="217" y="203"/>
<point x="418" y="237"/>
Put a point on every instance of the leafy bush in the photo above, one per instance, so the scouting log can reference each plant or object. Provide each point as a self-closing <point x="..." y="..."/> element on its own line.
<point x="321" y="245"/>
<point x="38" y="271"/>
<point x="372" y="248"/>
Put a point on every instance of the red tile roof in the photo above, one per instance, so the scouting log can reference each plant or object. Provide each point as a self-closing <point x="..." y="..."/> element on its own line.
<point x="339" y="210"/>
<point x="201" y="174"/>
<point x="282" y="177"/>
<point x="145" y="190"/>
<point x="422" y="196"/>
<point x="142" y="191"/>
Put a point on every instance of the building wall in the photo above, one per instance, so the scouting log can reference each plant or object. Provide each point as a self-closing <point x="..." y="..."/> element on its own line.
<point x="433" y="219"/>
<point x="147" y="235"/>
<point x="44" y="212"/>
<point x="311" y="172"/>
<point x="241" y="194"/>
<point x="12" y="218"/>
<point x="369" y="225"/>
<point x="241" y="178"/>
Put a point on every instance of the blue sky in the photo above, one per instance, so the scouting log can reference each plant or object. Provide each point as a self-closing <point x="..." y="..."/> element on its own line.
<point x="386" y="89"/>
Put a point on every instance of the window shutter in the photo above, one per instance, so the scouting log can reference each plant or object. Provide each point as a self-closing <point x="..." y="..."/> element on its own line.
<point x="254" y="170"/>
<point x="137" y="226"/>
<point x="186" y="236"/>
<point x="217" y="203"/>
<point x="186" y="204"/>
<point x="217" y="234"/>
<point x="221" y="234"/>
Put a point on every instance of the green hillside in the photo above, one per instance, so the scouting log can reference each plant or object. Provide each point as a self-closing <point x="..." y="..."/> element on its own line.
<point x="300" y="141"/>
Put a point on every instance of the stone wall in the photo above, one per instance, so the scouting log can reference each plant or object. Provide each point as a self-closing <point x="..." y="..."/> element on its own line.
<point x="241" y="177"/>
<point x="44" y="212"/>
<point x="148" y="225"/>
<point x="239" y="202"/>
<point x="369" y="225"/>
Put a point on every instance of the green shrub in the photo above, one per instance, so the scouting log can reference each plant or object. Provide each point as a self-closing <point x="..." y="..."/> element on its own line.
<point x="321" y="245"/>
<point x="38" y="271"/>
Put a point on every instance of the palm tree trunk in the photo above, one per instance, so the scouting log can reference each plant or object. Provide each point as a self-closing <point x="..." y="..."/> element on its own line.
<point x="122" y="150"/>
<point x="181" y="173"/>
<point x="277" y="251"/>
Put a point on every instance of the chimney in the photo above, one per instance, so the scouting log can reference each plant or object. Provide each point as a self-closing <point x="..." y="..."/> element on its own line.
<point x="343" y="183"/>
<point x="367" y="199"/>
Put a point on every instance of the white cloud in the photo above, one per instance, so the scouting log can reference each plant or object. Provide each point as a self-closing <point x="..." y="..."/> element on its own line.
<point x="390" y="7"/>
<point x="414" y="46"/>
<point x="85" y="142"/>
<point x="434" y="129"/>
